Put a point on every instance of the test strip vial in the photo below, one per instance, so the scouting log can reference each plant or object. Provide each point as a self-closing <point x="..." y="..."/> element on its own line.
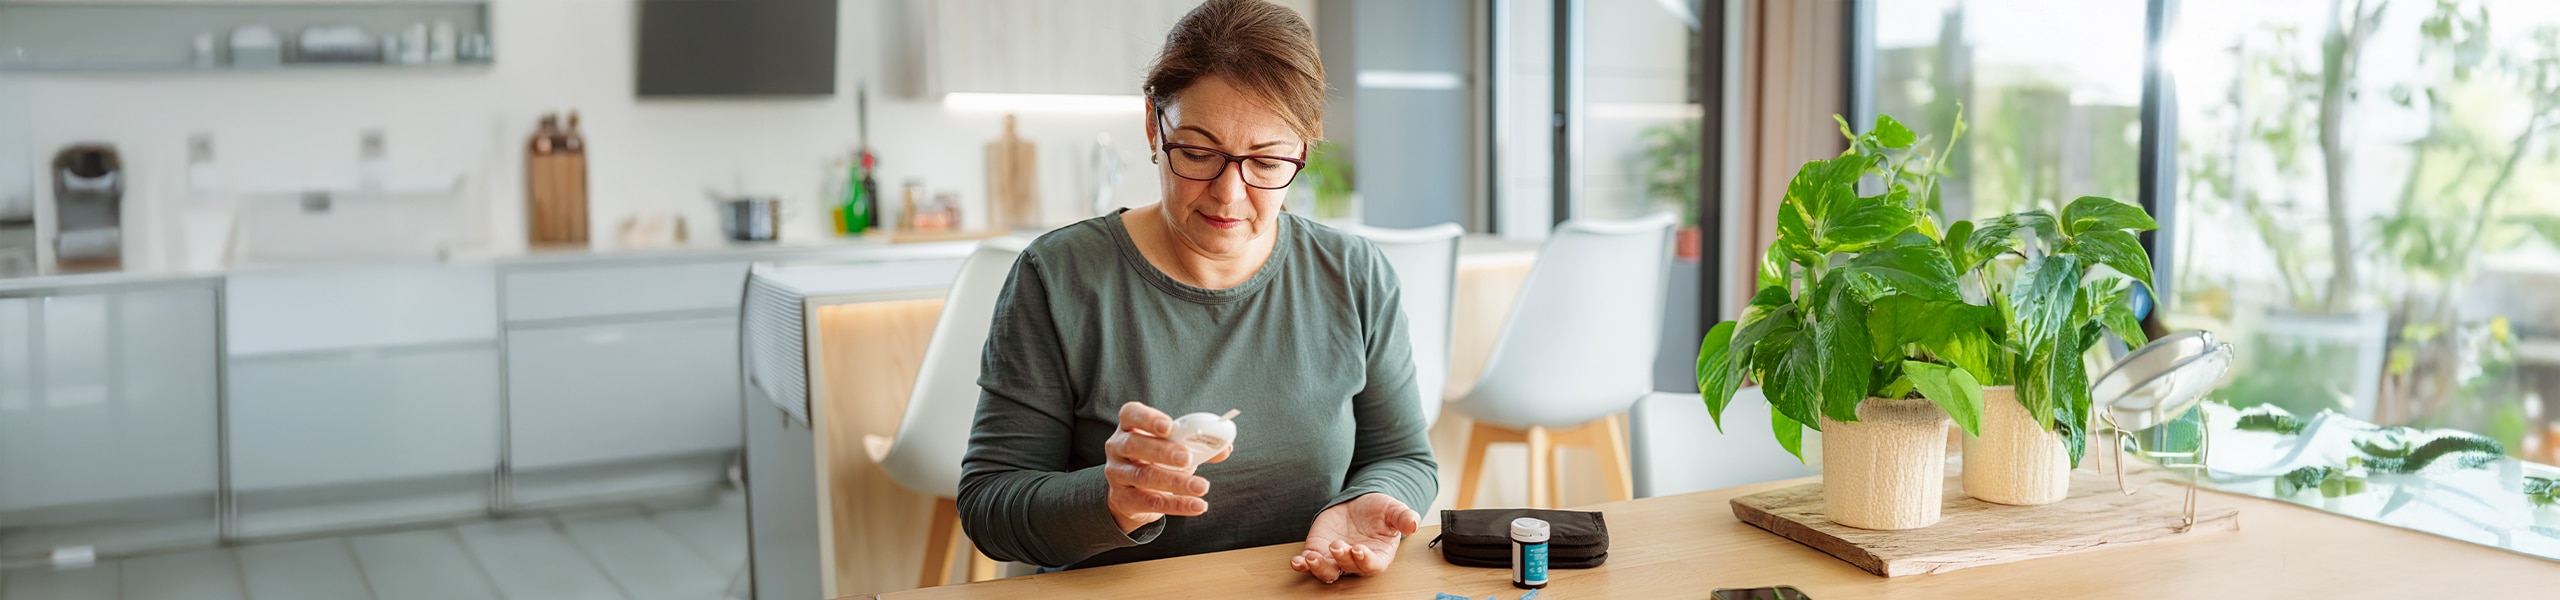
<point x="1528" y="553"/>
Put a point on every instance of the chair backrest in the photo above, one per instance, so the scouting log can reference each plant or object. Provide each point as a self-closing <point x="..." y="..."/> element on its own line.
<point x="1426" y="262"/>
<point x="925" y="456"/>
<point x="1676" y="450"/>
<point x="1580" y="341"/>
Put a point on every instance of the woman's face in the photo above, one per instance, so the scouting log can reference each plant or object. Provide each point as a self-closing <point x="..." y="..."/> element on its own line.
<point x="1222" y="216"/>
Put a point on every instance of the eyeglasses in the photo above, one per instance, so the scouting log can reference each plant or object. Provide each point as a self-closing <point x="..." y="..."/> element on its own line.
<point x="1202" y="163"/>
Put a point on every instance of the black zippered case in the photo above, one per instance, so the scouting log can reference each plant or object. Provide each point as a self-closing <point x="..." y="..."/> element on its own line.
<point x="1482" y="537"/>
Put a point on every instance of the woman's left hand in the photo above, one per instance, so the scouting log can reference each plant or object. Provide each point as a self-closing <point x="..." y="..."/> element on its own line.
<point x="1356" y="538"/>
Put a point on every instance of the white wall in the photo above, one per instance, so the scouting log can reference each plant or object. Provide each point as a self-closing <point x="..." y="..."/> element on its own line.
<point x="287" y="131"/>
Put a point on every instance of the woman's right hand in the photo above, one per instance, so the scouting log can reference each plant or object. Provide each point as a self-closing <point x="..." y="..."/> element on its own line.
<point x="1144" y="470"/>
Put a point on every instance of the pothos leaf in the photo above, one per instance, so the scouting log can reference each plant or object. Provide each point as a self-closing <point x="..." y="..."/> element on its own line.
<point x="1843" y="358"/>
<point x="1894" y="321"/>
<point x="2092" y="213"/>
<point x="2044" y="297"/>
<point x="2115" y="249"/>
<point x="1864" y="223"/>
<point x="1773" y="266"/>
<point x="2117" y="315"/>
<point x="1797" y="392"/>
<point x="1790" y="434"/>
<point x="2000" y="235"/>
<point x="1959" y="252"/>
<point x="1912" y="265"/>
<point x="1890" y="133"/>
<point x="1952" y="389"/>
<point x="1718" y="376"/>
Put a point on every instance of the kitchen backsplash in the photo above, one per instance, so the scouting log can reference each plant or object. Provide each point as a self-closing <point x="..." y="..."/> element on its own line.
<point x="283" y="132"/>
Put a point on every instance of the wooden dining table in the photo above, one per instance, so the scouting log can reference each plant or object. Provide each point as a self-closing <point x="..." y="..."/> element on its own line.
<point x="1687" y="545"/>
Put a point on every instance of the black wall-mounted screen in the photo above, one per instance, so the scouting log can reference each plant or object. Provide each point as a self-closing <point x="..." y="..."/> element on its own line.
<point x="737" y="47"/>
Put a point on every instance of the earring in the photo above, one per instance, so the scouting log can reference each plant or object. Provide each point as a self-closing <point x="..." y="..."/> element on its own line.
<point x="1151" y="159"/>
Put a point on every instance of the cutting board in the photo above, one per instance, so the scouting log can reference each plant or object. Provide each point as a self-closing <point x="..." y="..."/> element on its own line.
<point x="1974" y="533"/>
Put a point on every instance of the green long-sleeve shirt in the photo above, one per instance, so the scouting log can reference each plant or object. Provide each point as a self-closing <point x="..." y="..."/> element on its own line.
<point x="1312" y="349"/>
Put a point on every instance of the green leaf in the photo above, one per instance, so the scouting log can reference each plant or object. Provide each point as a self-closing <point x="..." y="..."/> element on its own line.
<point x="2000" y="235"/>
<point x="1971" y="351"/>
<point x="1953" y="389"/>
<point x="1773" y="266"/>
<point x="1845" y="133"/>
<point x="1895" y="321"/>
<point x="2044" y="296"/>
<point x="1954" y="243"/>
<point x="2092" y="213"/>
<point x="1865" y="222"/>
<point x="1790" y="434"/>
<point x="1911" y="266"/>
<point x="1890" y="133"/>
<point x="2117" y="315"/>
<point x="1718" y="372"/>
<point x="1842" y="356"/>
<point x="2115" y="249"/>
<point x="1900" y="386"/>
<point x="1797" y="392"/>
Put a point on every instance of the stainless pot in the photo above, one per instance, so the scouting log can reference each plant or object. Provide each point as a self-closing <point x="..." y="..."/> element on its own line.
<point x="750" y="218"/>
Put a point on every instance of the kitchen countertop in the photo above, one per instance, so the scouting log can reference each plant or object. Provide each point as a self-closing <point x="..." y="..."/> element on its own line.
<point x="1471" y="248"/>
<point x="524" y="257"/>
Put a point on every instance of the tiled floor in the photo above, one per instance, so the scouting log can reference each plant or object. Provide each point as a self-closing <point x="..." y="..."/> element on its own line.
<point x="689" y="553"/>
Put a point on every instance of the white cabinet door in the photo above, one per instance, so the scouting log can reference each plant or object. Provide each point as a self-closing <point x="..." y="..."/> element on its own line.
<point x="363" y="416"/>
<point x="321" y="310"/>
<point x="107" y="397"/>
<point x="618" y="392"/>
<point x="597" y="291"/>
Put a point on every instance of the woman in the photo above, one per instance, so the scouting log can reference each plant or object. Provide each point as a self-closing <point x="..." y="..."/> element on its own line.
<point x="1208" y="300"/>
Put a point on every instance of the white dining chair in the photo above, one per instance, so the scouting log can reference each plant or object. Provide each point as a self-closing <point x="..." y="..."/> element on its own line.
<point x="1677" y="449"/>
<point x="1577" y="349"/>
<point x="1426" y="263"/>
<point x="925" y="455"/>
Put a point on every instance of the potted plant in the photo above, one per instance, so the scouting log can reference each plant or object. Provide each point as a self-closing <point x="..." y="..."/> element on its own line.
<point x="1850" y="332"/>
<point x="2055" y="284"/>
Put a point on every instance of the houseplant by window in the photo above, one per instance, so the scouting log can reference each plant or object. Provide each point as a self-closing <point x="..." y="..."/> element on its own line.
<point x="1852" y="328"/>
<point x="2055" y="283"/>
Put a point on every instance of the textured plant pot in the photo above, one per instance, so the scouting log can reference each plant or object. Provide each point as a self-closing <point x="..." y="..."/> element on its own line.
<point x="2016" y="460"/>
<point x="1888" y="470"/>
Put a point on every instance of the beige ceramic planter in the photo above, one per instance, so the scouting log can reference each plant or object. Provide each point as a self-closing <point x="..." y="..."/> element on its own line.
<point x="1889" y="469"/>
<point x="2016" y="460"/>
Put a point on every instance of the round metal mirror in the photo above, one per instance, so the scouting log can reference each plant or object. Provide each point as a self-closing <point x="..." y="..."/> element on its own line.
<point x="2162" y="380"/>
<point x="2156" y="384"/>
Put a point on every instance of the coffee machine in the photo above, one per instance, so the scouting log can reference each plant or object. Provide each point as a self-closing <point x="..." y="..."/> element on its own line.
<point x="88" y="216"/>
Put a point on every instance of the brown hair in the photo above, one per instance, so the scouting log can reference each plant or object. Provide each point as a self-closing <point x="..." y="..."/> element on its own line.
<point x="1263" y="49"/>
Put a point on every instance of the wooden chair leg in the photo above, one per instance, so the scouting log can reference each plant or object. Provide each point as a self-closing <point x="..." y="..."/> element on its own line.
<point x="1471" y="472"/>
<point x="982" y="568"/>
<point x="1542" y="457"/>
<point x="1616" y="466"/>
<point x="939" y="536"/>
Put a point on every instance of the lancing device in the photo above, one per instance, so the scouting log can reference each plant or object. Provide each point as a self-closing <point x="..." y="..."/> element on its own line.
<point x="1205" y="434"/>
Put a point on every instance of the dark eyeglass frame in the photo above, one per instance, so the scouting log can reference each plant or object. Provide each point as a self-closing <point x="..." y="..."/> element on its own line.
<point x="1231" y="160"/>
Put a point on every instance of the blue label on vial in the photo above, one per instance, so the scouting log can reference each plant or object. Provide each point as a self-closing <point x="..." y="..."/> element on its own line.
<point x="1530" y="562"/>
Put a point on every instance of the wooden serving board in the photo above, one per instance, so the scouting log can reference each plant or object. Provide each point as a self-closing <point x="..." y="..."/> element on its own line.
<point x="1974" y="533"/>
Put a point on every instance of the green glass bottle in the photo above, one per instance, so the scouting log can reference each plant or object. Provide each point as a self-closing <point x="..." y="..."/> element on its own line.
<point x="858" y="202"/>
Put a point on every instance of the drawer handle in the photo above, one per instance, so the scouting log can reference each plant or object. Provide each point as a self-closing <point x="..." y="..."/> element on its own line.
<point x="600" y="338"/>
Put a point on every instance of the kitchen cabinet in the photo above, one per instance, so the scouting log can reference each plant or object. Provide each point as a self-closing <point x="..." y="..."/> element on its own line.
<point x="1048" y="46"/>
<point x="107" y="404"/>
<point x="622" y="379"/>
<point x="361" y="396"/>
<point x="597" y="395"/>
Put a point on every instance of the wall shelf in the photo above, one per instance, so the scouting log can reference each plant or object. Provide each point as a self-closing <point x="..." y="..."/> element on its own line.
<point x="159" y="36"/>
